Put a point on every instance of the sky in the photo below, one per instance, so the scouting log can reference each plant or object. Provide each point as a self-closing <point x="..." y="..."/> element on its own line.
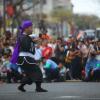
<point x="87" y="7"/>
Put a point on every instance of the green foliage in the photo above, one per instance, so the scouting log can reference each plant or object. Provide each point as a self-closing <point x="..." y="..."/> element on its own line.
<point x="84" y="21"/>
<point x="60" y="14"/>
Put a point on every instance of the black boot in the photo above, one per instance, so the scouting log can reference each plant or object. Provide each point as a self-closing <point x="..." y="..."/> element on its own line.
<point x="21" y="88"/>
<point x="38" y="88"/>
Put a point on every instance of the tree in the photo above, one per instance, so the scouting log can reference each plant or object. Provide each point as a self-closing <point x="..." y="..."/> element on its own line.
<point x="61" y="14"/>
<point x="84" y="21"/>
<point x="19" y="9"/>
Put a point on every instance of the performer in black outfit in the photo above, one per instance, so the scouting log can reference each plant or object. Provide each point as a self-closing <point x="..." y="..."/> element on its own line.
<point x="31" y="70"/>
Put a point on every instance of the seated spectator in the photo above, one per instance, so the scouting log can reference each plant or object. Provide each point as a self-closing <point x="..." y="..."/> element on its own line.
<point x="52" y="69"/>
<point x="92" y="69"/>
<point x="14" y="73"/>
<point x="63" y="72"/>
<point x="9" y="70"/>
<point x="6" y="62"/>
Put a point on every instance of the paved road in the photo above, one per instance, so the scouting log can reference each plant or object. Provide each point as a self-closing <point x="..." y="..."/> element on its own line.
<point x="57" y="91"/>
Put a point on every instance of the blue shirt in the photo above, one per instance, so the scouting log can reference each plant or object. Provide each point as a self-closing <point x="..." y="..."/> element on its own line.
<point x="92" y="64"/>
<point x="50" y="64"/>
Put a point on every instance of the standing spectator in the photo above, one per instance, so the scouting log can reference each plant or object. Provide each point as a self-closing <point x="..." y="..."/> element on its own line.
<point x="38" y="52"/>
<point x="59" y="49"/>
<point x="46" y="50"/>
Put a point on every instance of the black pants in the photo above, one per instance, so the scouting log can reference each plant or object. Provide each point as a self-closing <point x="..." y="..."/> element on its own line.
<point x="31" y="70"/>
<point x="76" y="68"/>
<point x="96" y="76"/>
<point x="52" y="74"/>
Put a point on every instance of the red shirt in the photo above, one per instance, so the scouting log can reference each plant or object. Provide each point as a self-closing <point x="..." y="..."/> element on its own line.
<point x="47" y="52"/>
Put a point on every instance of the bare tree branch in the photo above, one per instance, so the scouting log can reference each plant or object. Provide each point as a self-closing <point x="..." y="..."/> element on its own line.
<point x="37" y="2"/>
<point x="18" y="3"/>
<point x="27" y="8"/>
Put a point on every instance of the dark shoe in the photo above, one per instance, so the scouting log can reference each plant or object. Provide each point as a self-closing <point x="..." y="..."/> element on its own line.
<point x="41" y="90"/>
<point x="20" y="88"/>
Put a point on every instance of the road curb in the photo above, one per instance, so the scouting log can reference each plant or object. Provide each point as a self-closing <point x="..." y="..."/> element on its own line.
<point x="73" y="80"/>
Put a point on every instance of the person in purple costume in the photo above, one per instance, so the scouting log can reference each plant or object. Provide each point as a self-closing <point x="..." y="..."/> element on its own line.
<point x="26" y="61"/>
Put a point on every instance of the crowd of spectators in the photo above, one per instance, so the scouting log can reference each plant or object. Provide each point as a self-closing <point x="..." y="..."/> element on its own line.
<point x="59" y="59"/>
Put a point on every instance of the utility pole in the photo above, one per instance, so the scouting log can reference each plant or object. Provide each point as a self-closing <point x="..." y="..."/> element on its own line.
<point x="4" y="15"/>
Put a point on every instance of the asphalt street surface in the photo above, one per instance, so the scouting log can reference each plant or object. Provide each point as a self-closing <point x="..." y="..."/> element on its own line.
<point x="56" y="91"/>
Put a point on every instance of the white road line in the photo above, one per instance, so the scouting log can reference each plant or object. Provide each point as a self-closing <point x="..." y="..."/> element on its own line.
<point x="67" y="97"/>
<point x="76" y="97"/>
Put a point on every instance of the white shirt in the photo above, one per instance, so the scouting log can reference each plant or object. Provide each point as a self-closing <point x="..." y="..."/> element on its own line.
<point x="38" y="54"/>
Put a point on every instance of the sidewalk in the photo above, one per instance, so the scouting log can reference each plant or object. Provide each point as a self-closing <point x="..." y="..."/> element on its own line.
<point x="74" y="80"/>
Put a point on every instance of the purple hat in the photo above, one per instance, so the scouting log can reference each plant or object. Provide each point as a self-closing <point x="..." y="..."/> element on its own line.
<point x="26" y="24"/>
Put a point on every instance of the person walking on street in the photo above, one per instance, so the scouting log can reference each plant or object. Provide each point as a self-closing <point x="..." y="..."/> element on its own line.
<point x="31" y="70"/>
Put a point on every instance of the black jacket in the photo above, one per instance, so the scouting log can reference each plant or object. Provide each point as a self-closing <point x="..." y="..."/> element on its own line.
<point x="26" y="44"/>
